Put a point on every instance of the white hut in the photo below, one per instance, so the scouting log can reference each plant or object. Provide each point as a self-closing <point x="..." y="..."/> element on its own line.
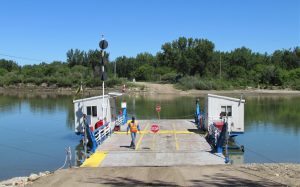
<point x="231" y="109"/>
<point x="93" y="108"/>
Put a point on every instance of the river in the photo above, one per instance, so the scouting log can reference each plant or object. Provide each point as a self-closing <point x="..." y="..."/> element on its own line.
<point x="36" y="129"/>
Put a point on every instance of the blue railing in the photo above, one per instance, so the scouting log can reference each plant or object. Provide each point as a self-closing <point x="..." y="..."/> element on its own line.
<point x="101" y="133"/>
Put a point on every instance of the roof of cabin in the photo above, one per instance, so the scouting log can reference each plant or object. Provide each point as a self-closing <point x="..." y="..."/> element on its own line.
<point x="226" y="98"/>
<point x="110" y="94"/>
<point x="90" y="98"/>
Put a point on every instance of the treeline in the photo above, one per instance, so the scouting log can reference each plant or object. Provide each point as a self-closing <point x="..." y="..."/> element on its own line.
<point x="190" y="63"/>
<point x="194" y="64"/>
<point x="80" y="67"/>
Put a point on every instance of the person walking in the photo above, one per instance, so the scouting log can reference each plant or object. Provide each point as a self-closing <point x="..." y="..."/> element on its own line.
<point x="133" y="127"/>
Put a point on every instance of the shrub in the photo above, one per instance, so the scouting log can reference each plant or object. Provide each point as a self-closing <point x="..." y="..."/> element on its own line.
<point x="1" y="81"/>
<point x="51" y="80"/>
<point x="3" y="71"/>
<point x="198" y="83"/>
<point x="113" y="82"/>
<point x="93" y="82"/>
<point x="202" y="85"/>
<point x="144" y="72"/>
<point x="11" y="78"/>
<point x="64" y="82"/>
<point x="296" y="84"/>
<point x="169" y="77"/>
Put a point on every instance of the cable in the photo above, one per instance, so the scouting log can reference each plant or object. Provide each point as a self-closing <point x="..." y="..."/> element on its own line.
<point x="22" y="58"/>
<point x="259" y="176"/>
<point x="263" y="156"/>
<point x="63" y="164"/>
<point x="26" y="151"/>
<point x="68" y="155"/>
<point x="29" y="133"/>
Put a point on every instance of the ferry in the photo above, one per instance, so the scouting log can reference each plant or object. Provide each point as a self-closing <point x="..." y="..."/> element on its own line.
<point x="222" y="119"/>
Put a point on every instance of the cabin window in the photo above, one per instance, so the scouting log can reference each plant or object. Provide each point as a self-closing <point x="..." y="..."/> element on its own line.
<point x="226" y="111"/>
<point x="91" y="110"/>
<point x="223" y="111"/>
<point x="94" y="110"/>
<point x="229" y="111"/>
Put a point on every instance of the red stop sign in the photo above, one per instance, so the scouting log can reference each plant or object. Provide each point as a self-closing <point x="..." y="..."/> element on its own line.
<point x="158" y="108"/>
<point x="154" y="128"/>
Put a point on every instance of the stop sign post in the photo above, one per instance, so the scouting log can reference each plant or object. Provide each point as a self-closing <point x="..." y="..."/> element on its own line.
<point x="158" y="109"/>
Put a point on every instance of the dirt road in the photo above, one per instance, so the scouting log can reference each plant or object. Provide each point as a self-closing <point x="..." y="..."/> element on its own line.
<point x="159" y="88"/>
<point x="217" y="175"/>
<point x="155" y="88"/>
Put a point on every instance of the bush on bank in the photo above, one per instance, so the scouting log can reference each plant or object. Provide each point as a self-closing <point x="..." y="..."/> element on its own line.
<point x="188" y="82"/>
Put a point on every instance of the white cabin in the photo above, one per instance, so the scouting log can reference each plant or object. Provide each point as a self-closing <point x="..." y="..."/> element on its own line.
<point x="231" y="109"/>
<point x="93" y="108"/>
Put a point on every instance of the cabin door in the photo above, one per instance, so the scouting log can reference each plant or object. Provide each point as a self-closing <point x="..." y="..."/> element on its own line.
<point x="92" y="114"/>
<point x="226" y="112"/>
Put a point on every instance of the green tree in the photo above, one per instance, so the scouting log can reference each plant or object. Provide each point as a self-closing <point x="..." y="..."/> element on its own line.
<point x="77" y="57"/>
<point x="144" y="72"/>
<point x="9" y="65"/>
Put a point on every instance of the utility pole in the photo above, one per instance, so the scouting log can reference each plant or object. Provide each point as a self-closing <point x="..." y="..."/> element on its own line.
<point x="115" y="68"/>
<point x="220" y="67"/>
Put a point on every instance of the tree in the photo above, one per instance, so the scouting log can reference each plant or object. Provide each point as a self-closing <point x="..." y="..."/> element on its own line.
<point x="93" y="59"/>
<point x="187" y="56"/>
<point x="146" y="58"/>
<point x="204" y="51"/>
<point x="144" y="72"/>
<point x="9" y="65"/>
<point x="76" y="57"/>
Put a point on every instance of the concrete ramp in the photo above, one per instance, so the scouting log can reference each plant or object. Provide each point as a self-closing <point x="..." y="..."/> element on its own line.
<point x="177" y="143"/>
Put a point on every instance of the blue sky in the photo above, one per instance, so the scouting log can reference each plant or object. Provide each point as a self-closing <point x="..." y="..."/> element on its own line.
<point x="46" y="30"/>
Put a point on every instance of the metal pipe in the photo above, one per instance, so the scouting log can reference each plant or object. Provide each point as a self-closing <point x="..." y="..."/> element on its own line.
<point x="103" y="101"/>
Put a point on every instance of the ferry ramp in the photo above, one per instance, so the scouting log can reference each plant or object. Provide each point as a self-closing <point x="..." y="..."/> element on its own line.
<point x="177" y="143"/>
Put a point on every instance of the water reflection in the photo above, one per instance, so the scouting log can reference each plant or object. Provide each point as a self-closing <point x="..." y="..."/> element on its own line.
<point x="39" y="104"/>
<point x="143" y="107"/>
<point x="259" y="110"/>
<point x="79" y="154"/>
<point x="282" y="112"/>
<point x="236" y="158"/>
<point x="31" y="121"/>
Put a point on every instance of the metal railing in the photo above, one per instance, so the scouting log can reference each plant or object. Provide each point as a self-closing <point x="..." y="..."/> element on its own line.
<point x="214" y="133"/>
<point x="102" y="133"/>
<point x="119" y="121"/>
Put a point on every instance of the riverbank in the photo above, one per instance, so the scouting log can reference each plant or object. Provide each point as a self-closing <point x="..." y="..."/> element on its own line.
<point x="216" y="175"/>
<point x="154" y="88"/>
<point x="22" y="181"/>
<point x="144" y="88"/>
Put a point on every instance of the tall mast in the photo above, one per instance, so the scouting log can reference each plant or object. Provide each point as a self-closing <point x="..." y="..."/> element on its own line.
<point x="103" y="45"/>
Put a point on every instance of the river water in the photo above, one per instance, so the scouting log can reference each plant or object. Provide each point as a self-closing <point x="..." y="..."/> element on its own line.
<point x="36" y="129"/>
